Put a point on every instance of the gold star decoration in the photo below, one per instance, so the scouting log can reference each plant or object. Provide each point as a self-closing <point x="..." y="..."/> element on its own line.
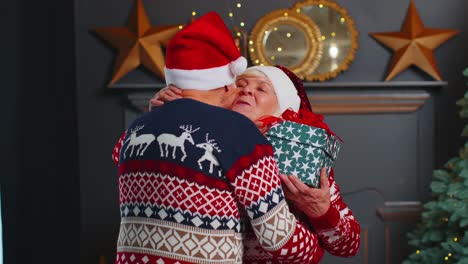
<point x="138" y="44"/>
<point x="414" y="45"/>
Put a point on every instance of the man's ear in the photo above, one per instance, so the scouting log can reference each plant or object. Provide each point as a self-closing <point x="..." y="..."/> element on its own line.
<point x="228" y="95"/>
<point x="230" y="88"/>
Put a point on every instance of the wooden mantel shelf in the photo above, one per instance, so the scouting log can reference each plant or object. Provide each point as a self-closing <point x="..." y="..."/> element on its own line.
<point x="402" y="84"/>
<point x="425" y="84"/>
<point x="332" y="97"/>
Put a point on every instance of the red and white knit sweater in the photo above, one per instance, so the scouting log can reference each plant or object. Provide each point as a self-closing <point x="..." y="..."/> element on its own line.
<point x="336" y="232"/>
<point x="179" y="205"/>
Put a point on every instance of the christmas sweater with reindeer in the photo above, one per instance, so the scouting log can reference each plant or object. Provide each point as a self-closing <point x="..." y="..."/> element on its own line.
<point x="188" y="174"/>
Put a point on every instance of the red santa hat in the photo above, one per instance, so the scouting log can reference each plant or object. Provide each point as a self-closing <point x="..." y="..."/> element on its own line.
<point x="203" y="55"/>
<point x="305" y="103"/>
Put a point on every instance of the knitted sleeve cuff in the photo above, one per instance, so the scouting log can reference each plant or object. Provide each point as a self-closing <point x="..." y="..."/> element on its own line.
<point x="328" y="220"/>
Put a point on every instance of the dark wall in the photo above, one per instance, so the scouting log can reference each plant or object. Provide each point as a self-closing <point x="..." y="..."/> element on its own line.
<point x="41" y="191"/>
<point x="9" y="153"/>
<point x="372" y="59"/>
<point x="101" y="110"/>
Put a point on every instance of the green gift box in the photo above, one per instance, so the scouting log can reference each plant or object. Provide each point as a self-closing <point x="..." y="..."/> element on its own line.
<point x="303" y="150"/>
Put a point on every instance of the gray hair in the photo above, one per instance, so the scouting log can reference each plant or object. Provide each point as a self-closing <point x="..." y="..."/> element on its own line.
<point x="255" y="72"/>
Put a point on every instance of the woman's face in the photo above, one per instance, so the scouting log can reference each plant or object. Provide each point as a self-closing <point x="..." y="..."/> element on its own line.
<point x="256" y="97"/>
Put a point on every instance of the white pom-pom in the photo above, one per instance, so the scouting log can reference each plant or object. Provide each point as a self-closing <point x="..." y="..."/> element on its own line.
<point x="238" y="66"/>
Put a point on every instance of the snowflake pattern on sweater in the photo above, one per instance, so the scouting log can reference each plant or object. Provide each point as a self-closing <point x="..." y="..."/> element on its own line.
<point x="336" y="232"/>
<point x="338" y="228"/>
<point x="184" y="184"/>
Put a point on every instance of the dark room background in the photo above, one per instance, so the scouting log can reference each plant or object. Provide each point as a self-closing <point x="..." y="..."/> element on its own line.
<point x="61" y="121"/>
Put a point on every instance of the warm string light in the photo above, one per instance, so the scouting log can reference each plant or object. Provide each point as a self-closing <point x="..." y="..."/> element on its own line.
<point x="444" y="220"/>
<point x="241" y="23"/>
<point x="238" y="5"/>
<point x="237" y="27"/>
<point x="192" y="17"/>
<point x="252" y="49"/>
<point x="231" y="15"/>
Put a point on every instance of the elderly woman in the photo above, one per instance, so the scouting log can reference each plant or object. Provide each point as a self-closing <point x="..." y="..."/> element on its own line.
<point x="269" y="91"/>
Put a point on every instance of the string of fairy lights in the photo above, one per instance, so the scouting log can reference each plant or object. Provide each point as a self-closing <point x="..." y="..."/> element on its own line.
<point x="237" y="22"/>
<point x="449" y="255"/>
<point x="231" y="14"/>
<point x="455" y="239"/>
<point x="238" y="27"/>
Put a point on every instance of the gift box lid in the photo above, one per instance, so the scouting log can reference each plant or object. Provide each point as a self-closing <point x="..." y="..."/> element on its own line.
<point x="307" y="135"/>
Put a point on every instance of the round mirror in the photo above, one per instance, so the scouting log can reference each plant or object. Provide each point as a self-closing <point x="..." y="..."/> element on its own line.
<point x="287" y="38"/>
<point x="339" y="37"/>
<point x="291" y="53"/>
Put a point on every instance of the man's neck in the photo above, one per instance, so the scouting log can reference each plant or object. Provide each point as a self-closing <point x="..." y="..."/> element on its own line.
<point x="212" y="97"/>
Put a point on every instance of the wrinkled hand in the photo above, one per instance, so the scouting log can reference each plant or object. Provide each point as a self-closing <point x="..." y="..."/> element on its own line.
<point x="313" y="202"/>
<point x="166" y="94"/>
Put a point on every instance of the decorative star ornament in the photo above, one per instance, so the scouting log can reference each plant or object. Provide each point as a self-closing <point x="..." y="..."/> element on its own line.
<point x="138" y="44"/>
<point x="414" y="45"/>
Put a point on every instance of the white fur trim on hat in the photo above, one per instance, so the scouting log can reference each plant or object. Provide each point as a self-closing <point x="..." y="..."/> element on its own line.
<point x="206" y="79"/>
<point x="286" y="92"/>
<point x="238" y="66"/>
